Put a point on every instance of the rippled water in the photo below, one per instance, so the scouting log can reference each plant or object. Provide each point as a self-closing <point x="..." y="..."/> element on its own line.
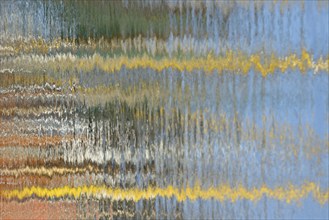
<point x="126" y="109"/>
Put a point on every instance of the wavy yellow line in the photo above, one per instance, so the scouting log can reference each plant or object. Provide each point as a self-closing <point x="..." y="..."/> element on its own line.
<point x="234" y="62"/>
<point x="221" y="193"/>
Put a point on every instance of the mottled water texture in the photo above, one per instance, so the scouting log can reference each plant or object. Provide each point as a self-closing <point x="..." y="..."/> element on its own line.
<point x="164" y="109"/>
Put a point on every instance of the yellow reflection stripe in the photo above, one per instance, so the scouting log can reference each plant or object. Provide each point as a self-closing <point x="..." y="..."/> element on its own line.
<point x="221" y="193"/>
<point x="235" y="62"/>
